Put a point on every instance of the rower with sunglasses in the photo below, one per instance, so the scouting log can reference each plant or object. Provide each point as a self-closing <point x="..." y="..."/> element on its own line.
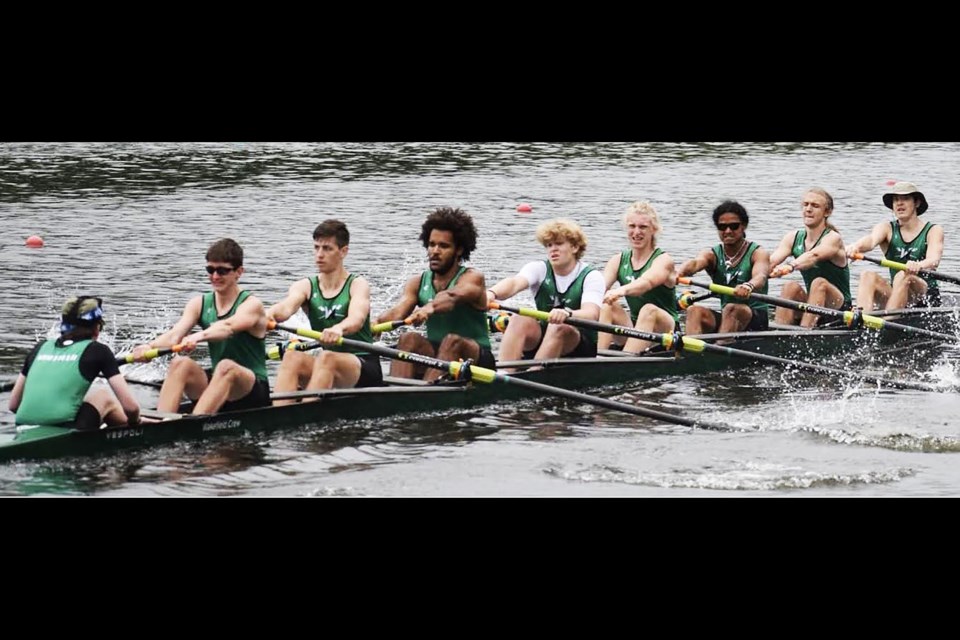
<point x="735" y="262"/>
<point x="647" y="282"/>
<point x="53" y="387"/>
<point x="234" y="323"/>
<point x="818" y="253"/>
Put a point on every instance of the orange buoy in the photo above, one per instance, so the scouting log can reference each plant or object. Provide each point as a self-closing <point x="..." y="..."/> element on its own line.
<point x="34" y="242"/>
<point x="523" y="207"/>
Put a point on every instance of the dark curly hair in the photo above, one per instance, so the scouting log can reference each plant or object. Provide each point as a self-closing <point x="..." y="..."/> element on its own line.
<point x="731" y="206"/>
<point x="457" y="222"/>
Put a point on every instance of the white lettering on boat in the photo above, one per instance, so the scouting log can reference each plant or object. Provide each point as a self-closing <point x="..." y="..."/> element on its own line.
<point x="124" y="433"/>
<point x="221" y="425"/>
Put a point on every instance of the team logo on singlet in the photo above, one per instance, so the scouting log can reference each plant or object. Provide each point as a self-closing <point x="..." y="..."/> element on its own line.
<point x="905" y="253"/>
<point x="329" y="312"/>
<point x="628" y="278"/>
<point x="731" y="278"/>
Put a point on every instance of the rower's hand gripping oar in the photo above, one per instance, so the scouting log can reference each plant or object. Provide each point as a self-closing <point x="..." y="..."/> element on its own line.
<point x="679" y="342"/>
<point x="899" y="266"/>
<point x="466" y="371"/>
<point x="852" y="319"/>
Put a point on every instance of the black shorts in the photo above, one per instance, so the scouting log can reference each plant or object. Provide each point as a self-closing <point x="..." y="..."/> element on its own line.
<point x="485" y="359"/>
<point x="759" y="320"/>
<point x="371" y="374"/>
<point x="259" y="396"/>
<point x="586" y="348"/>
<point x="822" y="320"/>
<point x="88" y="418"/>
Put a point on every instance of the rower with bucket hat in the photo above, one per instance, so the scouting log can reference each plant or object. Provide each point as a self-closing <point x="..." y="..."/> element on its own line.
<point x="906" y="240"/>
<point x="53" y="387"/>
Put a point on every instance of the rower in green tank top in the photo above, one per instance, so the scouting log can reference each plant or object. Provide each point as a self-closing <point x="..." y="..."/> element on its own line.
<point x="735" y="262"/>
<point x="922" y="251"/>
<point x="646" y="278"/>
<point x="818" y="253"/>
<point x="449" y="297"/>
<point x="234" y="324"/>
<point x="337" y="303"/>
<point x="562" y="285"/>
<point x="53" y="388"/>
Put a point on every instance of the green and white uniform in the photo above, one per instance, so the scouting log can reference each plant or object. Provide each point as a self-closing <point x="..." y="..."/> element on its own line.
<point x="242" y="348"/>
<point x="837" y="276"/>
<point x="463" y="320"/>
<point x="55" y="388"/>
<point x="661" y="296"/>
<point x="902" y="251"/>
<point x="548" y="297"/>
<point x="737" y="274"/>
<point x="326" y="312"/>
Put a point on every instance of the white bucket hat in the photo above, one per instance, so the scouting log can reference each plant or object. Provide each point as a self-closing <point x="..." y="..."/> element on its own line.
<point x="905" y="189"/>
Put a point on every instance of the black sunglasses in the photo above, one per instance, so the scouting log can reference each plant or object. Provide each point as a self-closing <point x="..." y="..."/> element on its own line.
<point x="220" y="271"/>
<point x="723" y="226"/>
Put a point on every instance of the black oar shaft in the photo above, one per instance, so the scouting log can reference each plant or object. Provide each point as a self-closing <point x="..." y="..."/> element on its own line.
<point x="483" y="374"/>
<point x="695" y="345"/>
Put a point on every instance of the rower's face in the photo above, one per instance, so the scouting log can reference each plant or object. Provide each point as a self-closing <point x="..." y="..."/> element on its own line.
<point x="814" y="207"/>
<point x="561" y="252"/>
<point x="223" y="275"/>
<point x="904" y="207"/>
<point x="639" y="230"/>
<point x="327" y="255"/>
<point x="730" y="229"/>
<point x="442" y="253"/>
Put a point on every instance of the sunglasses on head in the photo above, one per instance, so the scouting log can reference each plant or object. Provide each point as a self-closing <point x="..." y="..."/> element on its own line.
<point x="723" y="226"/>
<point x="220" y="271"/>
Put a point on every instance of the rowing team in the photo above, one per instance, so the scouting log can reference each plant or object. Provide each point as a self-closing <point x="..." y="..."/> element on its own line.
<point x="452" y="300"/>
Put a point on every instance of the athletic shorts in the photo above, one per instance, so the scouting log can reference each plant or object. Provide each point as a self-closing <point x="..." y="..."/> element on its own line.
<point x="759" y="320"/>
<point x="486" y="359"/>
<point x="259" y="396"/>
<point x="586" y="348"/>
<point x="371" y="374"/>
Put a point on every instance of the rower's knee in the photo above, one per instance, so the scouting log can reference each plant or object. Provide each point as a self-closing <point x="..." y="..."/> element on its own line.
<point x="793" y="290"/>
<point x="228" y="369"/>
<point x="870" y="279"/>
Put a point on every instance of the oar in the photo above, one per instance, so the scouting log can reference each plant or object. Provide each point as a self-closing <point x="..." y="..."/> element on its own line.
<point x="849" y="317"/>
<point x="460" y="370"/>
<point x="121" y="360"/>
<point x="687" y="298"/>
<point x="899" y="266"/>
<point x="274" y="352"/>
<point x="390" y="325"/>
<point x="695" y="345"/>
<point x="494" y="324"/>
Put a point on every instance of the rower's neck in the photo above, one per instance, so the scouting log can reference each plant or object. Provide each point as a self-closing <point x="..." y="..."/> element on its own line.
<point x="333" y="280"/>
<point x="912" y="225"/>
<point x="564" y="269"/>
<point x="442" y="280"/>
<point x="225" y="299"/>
<point x="639" y="257"/>
<point x="734" y="251"/>
<point x="815" y="233"/>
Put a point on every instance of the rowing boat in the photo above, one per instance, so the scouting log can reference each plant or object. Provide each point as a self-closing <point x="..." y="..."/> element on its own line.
<point x="401" y="396"/>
